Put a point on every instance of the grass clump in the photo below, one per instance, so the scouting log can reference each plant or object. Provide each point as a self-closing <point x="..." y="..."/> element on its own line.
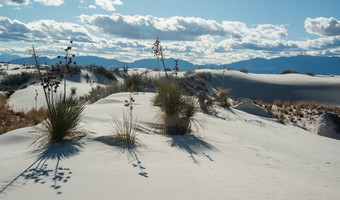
<point x="222" y="97"/>
<point x="178" y="111"/>
<point x="138" y="81"/>
<point x="62" y="121"/>
<point x="100" y="92"/>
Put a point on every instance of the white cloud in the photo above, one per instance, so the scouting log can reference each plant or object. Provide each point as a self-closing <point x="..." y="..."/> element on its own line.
<point x="108" y="4"/>
<point x="50" y="2"/>
<point x="16" y="2"/>
<point x="271" y="31"/>
<point x="149" y="27"/>
<point x="323" y="26"/>
<point x="177" y="28"/>
<point x="194" y="39"/>
<point x="92" y="6"/>
<point x="1" y="5"/>
<point x="43" y="30"/>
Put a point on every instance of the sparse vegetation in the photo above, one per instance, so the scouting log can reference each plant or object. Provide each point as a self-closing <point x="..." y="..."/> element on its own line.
<point x="178" y="111"/>
<point x="135" y="80"/>
<point x="17" y="81"/>
<point x="244" y="70"/>
<point x="288" y="71"/>
<point x="62" y="121"/>
<point x="310" y="73"/>
<point x="222" y="97"/>
<point x="11" y="120"/>
<point x="100" y="92"/>
<point x="125" y="131"/>
<point x="62" y="116"/>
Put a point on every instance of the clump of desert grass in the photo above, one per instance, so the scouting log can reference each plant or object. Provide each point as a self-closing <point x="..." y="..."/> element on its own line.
<point x="205" y="102"/>
<point x="138" y="81"/>
<point x="222" y="97"/>
<point x="62" y="122"/>
<point x="178" y="112"/>
<point x="125" y="130"/>
<point x="100" y="92"/>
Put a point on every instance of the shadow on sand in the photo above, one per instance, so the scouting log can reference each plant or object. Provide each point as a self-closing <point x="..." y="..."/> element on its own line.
<point x="192" y="145"/>
<point x="128" y="150"/>
<point x="40" y="172"/>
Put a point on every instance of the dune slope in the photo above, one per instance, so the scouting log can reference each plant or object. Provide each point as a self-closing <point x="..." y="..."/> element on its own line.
<point x="239" y="156"/>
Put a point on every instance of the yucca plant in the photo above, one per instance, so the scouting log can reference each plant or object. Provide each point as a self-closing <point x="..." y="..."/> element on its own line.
<point x="62" y="121"/>
<point x="125" y="131"/>
<point x="178" y="111"/>
<point x="73" y="91"/>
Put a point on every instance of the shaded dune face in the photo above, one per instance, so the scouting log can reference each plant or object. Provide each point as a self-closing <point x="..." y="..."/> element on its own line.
<point x="299" y="88"/>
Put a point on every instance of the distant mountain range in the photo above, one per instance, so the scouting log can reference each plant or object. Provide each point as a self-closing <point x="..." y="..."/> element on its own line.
<point x="301" y="64"/>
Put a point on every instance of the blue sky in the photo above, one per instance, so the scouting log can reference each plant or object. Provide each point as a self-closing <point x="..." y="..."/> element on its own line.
<point x="219" y="31"/>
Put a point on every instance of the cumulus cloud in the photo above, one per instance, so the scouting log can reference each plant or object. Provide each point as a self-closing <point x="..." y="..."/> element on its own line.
<point x="43" y="30"/>
<point x="177" y="28"/>
<point x="92" y="6"/>
<point x="271" y="31"/>
<point x="254" y="44"/>
<point x="149" y="27"/>
<point x="50" y="2"/>
<point x="323" y="26"/>
<point x="16" y="2"/>
<point x="108" y="4"/>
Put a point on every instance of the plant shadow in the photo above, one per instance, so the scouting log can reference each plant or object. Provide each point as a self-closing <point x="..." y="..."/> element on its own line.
<point x="192" y="145"/>
<point x="124" y="149"/>
<point x="40" y="172"/>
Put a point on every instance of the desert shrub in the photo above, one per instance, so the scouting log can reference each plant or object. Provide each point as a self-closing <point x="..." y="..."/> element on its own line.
<point x="288" y="71"/>
<point x="268" y="107"/>
<point x="299" y="113"/>
<point x="17" y="81"/>
<point x="287" y="104"/>
<point x="310" y="73"/>
<point x="194" y="83"/>
<point x="281" y="117"/>
<point x="278" y="103"/>
<point x="222" y="97"/>
<point x="258" y="102"/>
<point x="62" y="121"/>
<point x="207" y="76"/>
<point x="104" y="72"/>
<point x="178" y="111"/>
<point x="244" y="70"/>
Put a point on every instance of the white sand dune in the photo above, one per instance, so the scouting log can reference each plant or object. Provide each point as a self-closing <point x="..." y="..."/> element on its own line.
<point x="242" y="157"/>
<point x="286" y="87"/>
